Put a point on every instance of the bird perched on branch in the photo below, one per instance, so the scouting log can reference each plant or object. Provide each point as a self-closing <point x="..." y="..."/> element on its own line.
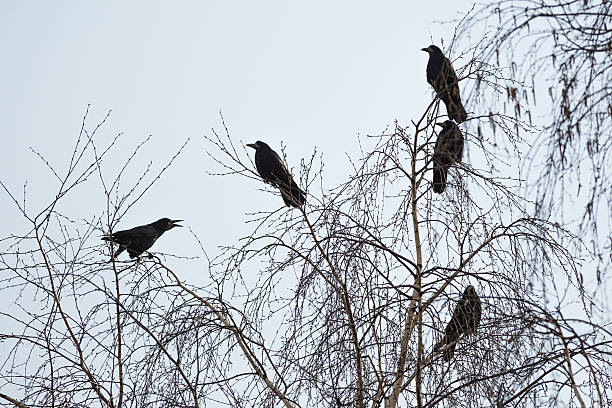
<point x="464" y="321"/>
<point x="441" y="75"/>
<point x="139" y="239"/>
<point x="448" y="151"/>
<point x="272" y="169"/>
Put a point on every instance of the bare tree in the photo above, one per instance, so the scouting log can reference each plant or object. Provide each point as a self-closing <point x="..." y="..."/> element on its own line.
<point x="380" y="262"/>
<point x="337" y="303"/>
<point x="558" y="72"/>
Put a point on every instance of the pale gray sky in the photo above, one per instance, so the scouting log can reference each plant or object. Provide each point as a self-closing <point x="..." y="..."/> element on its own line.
<point x="312" y="75"/>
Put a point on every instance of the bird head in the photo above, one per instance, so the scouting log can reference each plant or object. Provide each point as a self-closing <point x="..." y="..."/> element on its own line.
<point x="167" y="224"/>
<point x="470" y="291"/>
<point x="432" y="49"/>
<point x="258" y="145"/>
<point x="446" y="124"/>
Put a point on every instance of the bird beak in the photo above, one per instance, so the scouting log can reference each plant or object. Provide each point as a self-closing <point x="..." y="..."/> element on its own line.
<point x="253" y="145"/>
<point x="173" y="223"/>
<point x="440" y="124"/>
<point x="425" y="49"/>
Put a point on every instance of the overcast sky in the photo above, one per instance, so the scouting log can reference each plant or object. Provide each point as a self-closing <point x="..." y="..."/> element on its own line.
<point x="310" y="74"/>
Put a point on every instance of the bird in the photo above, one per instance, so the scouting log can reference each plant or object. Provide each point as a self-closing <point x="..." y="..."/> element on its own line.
<point x="441" y="76"/>
<point x="447" y="151"/>
<point x="465" y="320"/>
<point x="272" y="170"/>
<point x="141" y="238"/>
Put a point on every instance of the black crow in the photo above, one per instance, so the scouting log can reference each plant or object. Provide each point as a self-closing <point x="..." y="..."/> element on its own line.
<point x="272" y="169"/>
<point x="139" y="239"/>
<point x="448" y="151"/>
<point x="441" y="75"/>
<point x="464" y="321"/>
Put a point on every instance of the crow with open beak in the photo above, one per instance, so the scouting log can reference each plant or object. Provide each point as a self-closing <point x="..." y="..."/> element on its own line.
<point x="139" y="239"/>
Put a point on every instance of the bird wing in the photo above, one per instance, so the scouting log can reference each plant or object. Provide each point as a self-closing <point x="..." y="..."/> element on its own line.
<point x="449" y="146"/>
<point x="435" y="83"/>
<point x="443" y="79"/>
<point x="451" y="75"/>
<point x="280" y="173"/>
<point x="458" y="145"/>
<point x="136" y="240"/>
<point x="280" y="170"/>
<point x="457" y="111"/>
<point x="291" y="193"/>
<point x="143" y="231"/>
<point x="460" y="315"/>
<point x="442" y="149"/>
<point x="476" y="306"/>
<point x="270" y="166"/>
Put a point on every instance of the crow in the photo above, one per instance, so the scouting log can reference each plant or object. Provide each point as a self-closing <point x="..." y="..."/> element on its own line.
<point x="441" y="75"/>
<point x="464" y="321"/>
<point x="272" y="169"/>
<point x="139" y="239"/>
<point x="448" y="151"/>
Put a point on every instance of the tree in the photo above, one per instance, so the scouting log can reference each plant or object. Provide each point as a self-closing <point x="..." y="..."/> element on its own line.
<point x="338" y="303"/>
<point x="557" y="54"/>
<point x="345" y="302"/>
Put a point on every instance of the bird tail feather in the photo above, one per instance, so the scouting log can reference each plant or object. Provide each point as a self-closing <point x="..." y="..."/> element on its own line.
<point x="448" y="353"/>
<point x="448" y="344"/>
<point x="456" y="111"/>
<point x="439" y="179"/>
<point x="293" y="195"/>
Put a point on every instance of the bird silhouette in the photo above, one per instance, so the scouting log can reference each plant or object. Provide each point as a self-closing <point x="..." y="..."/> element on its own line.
<point x="465" y="320"/>
<point x="272" y="169"/>
<point x="141" y="238"/>
<point x="441" y="76"/>
<point x="447" y="151"/>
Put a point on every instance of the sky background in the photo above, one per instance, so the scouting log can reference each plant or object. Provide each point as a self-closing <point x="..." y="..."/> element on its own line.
<point x="310" y="75"/>
<point x="313" y="75"/>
